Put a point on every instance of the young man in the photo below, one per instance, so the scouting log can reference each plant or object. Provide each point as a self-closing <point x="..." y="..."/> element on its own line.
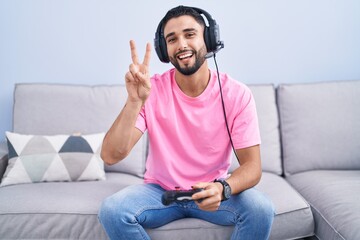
<point x="189" y="143"/>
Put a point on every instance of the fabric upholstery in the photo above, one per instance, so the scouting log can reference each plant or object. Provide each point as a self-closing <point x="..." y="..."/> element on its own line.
<point x="293" y="218"/>
<point x="320" y="126"/>
<point x="57" y="210"/>
<point x="21" y="211"/>
<point x="308" y="125"/>
<point x="334" y="200"/>
<point x="68" y="109"/>
<point x="48" y="158"/>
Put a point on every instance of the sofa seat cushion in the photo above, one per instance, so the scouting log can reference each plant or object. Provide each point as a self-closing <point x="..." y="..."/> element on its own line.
<point x="45" y="210"/>
<point x="293" y="218"/>
<point x="334" y="198"/>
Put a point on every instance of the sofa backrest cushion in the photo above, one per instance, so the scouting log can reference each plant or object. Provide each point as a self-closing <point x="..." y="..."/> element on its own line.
<point x="49" y="109"/>
<point x="265" y="100"/>
<point x="320" y="125"/>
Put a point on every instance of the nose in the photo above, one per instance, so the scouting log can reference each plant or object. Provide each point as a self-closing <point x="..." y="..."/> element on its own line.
<point x="182" y="43"/>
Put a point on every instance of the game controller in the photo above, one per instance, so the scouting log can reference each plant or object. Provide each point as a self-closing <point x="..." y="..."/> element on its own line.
<point x="171" y="196"/>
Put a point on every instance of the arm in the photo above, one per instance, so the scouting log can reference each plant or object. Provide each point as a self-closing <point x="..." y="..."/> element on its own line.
<point x="247" y="175"/>
<point x="122" y="136"/>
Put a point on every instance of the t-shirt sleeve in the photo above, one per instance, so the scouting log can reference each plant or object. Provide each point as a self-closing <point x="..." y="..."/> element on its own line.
<point x="245" y="131"/>
<point x="141" y="120"/>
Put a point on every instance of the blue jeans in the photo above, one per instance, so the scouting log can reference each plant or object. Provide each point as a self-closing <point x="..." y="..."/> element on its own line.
<point x="128" y="212"/>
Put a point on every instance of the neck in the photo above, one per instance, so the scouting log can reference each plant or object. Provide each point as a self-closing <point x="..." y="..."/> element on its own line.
<point x="193" y="85"/>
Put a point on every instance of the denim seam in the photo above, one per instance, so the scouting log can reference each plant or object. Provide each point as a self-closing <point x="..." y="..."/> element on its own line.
<point x="237" y="216"/>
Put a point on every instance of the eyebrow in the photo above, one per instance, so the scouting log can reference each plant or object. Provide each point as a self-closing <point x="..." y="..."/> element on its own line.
<point x="185" y="30"/>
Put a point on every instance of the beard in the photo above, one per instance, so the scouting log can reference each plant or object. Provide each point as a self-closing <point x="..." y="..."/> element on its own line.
<point x="189" y="70"/>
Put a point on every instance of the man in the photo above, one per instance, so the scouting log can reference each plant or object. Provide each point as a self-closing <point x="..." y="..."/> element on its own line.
<point x="189" y="143"/>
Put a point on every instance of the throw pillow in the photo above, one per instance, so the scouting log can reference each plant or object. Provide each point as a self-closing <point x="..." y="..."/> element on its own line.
<point x="37" y="158"/>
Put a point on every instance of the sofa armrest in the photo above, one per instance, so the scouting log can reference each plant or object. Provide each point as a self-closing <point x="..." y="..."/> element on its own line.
<point x="3" y="158"/>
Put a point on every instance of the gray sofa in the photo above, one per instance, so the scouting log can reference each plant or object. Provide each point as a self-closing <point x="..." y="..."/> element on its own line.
<point x="310" y="157"/>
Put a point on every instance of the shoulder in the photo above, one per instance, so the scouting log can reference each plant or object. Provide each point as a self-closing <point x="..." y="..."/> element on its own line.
<point x="161" y="85"/>
<point x="233" y="88"/>
<point x="162" y="79"/>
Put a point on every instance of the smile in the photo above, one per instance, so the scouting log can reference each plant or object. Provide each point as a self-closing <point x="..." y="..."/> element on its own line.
<point x="184" y="55"/>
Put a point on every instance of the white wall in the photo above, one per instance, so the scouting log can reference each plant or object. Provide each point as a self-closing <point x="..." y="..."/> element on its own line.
<point x="86" y="41"/>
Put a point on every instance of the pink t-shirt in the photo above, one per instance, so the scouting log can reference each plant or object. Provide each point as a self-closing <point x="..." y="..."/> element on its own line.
<point x="189" y="142"/>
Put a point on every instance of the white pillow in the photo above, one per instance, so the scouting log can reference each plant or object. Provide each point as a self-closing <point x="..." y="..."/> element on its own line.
<point x="40" y="158"/>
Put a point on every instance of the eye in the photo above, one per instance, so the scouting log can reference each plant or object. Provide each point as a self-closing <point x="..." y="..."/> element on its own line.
<point x="171" y="40"/>
<point x="190" y="35"/>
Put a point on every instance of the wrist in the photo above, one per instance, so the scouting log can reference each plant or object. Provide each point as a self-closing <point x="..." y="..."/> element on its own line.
<point x="134" y="104"/>
<point x="221" y="189"/>
<point x="226" y="189"/>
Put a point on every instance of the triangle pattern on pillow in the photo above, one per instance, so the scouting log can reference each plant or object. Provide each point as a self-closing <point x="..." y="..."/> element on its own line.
<point x="75" y="163"/>
<point x="56" y="171"/>
<point x="95" y="141"/>
<point x="38" y="145"/>
<point x="57" y="141"/>
<point x="76" y="144"/>
<point x="12" y="153"/>
<point x="16" y="173"/>
<point x="37" y="166"/>
<point x="19" y="139"/>
<point x="37" y="158"/>
<point x="92" y="169"/>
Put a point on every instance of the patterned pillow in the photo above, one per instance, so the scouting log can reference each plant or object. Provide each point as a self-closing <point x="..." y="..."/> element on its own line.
<point x="36" y="158"/>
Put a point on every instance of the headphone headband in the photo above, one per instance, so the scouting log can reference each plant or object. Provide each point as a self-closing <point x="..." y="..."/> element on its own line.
<point x="211" y="36"/>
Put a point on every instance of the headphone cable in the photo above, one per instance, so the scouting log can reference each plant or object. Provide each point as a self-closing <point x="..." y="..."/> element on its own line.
<point x="223" y="107"/>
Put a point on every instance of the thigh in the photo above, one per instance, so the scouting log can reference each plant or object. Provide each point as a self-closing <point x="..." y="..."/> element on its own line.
<point x="142" y="204"/>
<point x="250" y="202"/>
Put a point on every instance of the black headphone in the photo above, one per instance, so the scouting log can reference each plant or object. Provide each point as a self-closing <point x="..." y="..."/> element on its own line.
<point x="211" y="37"/>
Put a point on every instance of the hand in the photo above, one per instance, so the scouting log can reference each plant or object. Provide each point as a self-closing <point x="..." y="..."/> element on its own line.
<point x="211" y="196"/>
<point x="138" y="78"/>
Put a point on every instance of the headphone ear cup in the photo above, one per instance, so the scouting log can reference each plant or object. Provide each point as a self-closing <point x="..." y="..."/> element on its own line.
<point x="207" y="39"/>
<point x="160" y="44"/>
<point x="212" y="36"/>
<point x="161" y="50"/>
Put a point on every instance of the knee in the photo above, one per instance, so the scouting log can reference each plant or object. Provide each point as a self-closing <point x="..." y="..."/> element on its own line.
<point x="264" y="209"/>
<point x="259" y="209"/>
<point x="107" y="211"/>
<point x="113" y="210"/>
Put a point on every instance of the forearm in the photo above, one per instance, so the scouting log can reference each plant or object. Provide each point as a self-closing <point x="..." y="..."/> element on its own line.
<point x="249" y="172"/>
<point x="121" y="137"/>
<point x="244" y="177"/>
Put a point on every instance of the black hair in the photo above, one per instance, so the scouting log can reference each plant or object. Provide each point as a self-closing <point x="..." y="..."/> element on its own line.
<point x="183" y="11"/>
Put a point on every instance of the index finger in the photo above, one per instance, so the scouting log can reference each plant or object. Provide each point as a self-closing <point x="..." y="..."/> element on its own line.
<point x="134" y="55"/>
<point x="147" y="55"/>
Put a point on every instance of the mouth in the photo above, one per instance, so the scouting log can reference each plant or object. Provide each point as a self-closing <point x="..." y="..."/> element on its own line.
<point x="184" y="55"/>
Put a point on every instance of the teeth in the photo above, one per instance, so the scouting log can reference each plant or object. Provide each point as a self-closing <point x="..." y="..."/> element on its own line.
<point x="185" y="55"/>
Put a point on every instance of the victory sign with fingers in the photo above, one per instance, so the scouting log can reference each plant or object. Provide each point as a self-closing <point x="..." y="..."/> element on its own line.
<point x="138" y="77"/>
